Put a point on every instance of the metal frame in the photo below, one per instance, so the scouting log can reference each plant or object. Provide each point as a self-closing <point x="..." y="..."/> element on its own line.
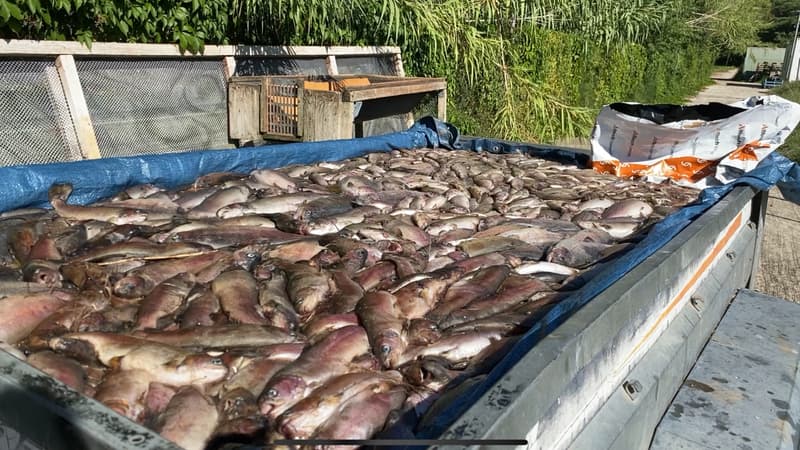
<point x="551" y="395"/>
<point x="628" y="419"/>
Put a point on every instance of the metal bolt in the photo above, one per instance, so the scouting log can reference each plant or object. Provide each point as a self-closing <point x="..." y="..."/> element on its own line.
<point x="731" y="255"/>
<point x="697" y="302"/>
<point x="632" y="388"/>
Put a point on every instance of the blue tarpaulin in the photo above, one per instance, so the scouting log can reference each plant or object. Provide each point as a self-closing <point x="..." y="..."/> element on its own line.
<point x="25" y="186"/>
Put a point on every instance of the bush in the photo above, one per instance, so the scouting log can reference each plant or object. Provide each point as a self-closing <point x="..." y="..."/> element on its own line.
<point x="791" y="147"/>
<point x="527" y="70"/>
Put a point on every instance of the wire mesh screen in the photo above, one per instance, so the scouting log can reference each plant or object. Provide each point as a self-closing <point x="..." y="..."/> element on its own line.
<point x="380" y="65"/>
<point x="155" y="106"/>
<point x="35" y="125"/>
<point x="287" y="65"/>
<point x="282" y="106"/>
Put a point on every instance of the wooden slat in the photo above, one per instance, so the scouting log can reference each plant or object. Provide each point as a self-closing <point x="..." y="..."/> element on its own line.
<point x="441" y="105"/>
<point x="243" y="110"/>
<point x="29" y="47"/>
<point x="65" y="64"/>
<point x="392" y="88"/>
<point x="330" y="65"/>
<point x="62" y="115"/>
<point x="325" y="116"/>
<point x="229" y="66"/>
<point x="397" y="60"/>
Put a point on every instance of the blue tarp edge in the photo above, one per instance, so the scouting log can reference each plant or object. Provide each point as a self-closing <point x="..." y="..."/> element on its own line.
<point x="26" y="186"/>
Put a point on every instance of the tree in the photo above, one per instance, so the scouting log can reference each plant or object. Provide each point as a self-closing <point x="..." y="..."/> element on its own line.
<point x="784" y="19"/>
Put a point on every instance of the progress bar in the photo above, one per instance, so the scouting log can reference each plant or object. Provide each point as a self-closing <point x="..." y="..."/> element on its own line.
<point x="393" y="442"/>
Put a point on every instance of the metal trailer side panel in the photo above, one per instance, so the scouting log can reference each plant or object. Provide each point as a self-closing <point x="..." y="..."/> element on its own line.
<point x="556" y="389"/>
<point x="53" y="416"/>
<point x="631" y="414"/>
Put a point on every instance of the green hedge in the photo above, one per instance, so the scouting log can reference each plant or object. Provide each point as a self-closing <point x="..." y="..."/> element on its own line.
<point x="549" y="85"/>
<point x="582" y="73"/>
<point x="189" y="23"/>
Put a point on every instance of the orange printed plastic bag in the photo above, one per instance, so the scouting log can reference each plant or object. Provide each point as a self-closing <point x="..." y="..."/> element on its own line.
<point x="699" y="145"/>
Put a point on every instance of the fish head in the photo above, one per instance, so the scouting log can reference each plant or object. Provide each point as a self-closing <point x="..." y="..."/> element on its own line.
<point x="279" y="393"/>
<point x="559" y="255"/>
<point x="130" y="286"/>
<point x="247" y="257"/>
<point x="42" y="272"/>
<point x="230" y="211"/>
<point x="238" y="402"/>
<point x="59" y="191"/>
<point x="355" y="186"/>
<point x="203" y="368"/>
<point x="389" y="348"/>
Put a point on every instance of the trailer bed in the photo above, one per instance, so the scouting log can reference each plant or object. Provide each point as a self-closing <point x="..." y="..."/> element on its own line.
<point x="743" y="391"/>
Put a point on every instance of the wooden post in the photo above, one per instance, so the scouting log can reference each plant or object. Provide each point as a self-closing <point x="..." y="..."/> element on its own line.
<point x="326" y="116"/>
<point x="330" y="65"/>
<point x="441" y="105"/>
<point x="397" y="59"/>
<point x="65" y="64"/>
<point x="62" y="114"/>
<point x="229" y="67"/>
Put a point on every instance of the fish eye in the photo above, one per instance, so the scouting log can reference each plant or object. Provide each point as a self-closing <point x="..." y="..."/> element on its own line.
<point x="216" y="361"/>
<point x="385" y="349"/>
<point x="272" y="393"/>
<point x="251" y="255"/>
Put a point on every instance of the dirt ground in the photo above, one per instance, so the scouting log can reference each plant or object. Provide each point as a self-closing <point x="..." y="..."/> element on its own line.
<point x="779" y="267"/>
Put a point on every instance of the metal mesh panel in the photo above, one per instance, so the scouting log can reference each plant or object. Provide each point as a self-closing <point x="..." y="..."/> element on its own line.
<point x="282" y="108"/>
<point x="155" y="106"/>
<point x="288" y="65"/>
<point x="380" y="65"/>
<point x="35" y="125"/>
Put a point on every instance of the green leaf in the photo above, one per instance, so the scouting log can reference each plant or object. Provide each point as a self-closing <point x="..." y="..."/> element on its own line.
<point x="5" y="14"/>
<point x="34" y="6"/>
<point x="15" y="11"/>
<point x="123" y="27"/>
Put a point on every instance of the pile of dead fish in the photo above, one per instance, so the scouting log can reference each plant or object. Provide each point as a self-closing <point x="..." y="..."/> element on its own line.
<point x="311" y="301"/>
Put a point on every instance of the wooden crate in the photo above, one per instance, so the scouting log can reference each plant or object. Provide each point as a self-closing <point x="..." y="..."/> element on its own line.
<point x="314" y="108"/>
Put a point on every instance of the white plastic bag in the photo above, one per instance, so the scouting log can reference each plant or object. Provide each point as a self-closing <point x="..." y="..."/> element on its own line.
<point x="698" y="146"/>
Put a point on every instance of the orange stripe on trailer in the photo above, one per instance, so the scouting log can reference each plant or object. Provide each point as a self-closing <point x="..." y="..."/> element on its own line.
<point x="732" y="228"/>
